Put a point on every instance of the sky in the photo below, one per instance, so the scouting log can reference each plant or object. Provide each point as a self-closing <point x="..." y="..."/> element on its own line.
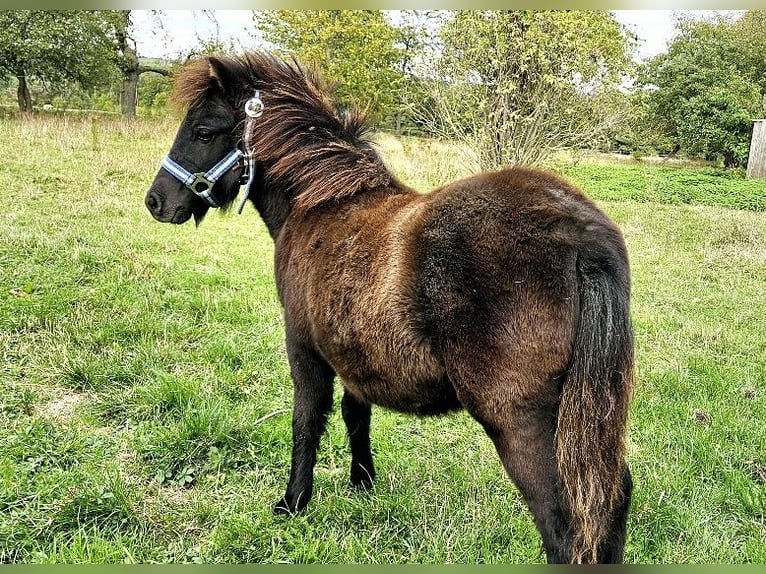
<point x="183" y="30"/>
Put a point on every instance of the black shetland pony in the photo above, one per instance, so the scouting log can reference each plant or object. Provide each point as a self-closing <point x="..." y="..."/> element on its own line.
<point x="505" y="294"/>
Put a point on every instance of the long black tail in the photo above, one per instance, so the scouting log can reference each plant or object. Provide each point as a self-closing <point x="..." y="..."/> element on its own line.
<point x="592" y="421"/>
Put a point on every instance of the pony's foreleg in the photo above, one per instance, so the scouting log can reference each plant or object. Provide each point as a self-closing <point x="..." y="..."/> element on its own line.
<point x="312" y="378"/>
<point x="356" y="415"/>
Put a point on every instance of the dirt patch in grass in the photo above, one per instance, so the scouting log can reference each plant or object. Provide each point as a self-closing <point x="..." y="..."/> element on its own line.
<point x="63" y="407"/>
<point x="701" y="416"/>
<point x="758" y="472"/>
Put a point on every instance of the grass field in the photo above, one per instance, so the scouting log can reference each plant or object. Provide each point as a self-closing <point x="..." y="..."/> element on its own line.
<point x="144" y="410"/>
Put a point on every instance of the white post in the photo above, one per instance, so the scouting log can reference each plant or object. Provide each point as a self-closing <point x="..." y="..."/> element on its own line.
<point x="756" y="163"/>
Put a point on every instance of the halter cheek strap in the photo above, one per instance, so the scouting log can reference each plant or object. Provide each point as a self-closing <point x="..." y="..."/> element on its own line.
<point x="202" y="183"/>
<point x="254" y="110"/>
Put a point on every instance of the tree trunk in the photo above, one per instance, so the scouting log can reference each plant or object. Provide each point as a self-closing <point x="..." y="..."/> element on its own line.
<point x="23" y="96"/>
<point x="129" y="94"/>
<point x="130" y="67"/>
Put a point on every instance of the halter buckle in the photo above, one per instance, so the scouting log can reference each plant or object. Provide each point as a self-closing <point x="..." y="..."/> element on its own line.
<point x="200" y="184"/>
<point x="203" y="188"/>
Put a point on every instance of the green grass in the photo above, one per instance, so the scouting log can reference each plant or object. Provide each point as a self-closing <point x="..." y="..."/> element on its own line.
<point x="646" y="182"/>
<point x="143" y="412"/>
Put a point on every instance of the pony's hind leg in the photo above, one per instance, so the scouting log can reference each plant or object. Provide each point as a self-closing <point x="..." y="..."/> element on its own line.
<point x="313" y="389"/>
<point x="611" y="551"/>
<point x="517" y="401"/>
<point x="356" y="415"/>
<point x="525" y="443"/>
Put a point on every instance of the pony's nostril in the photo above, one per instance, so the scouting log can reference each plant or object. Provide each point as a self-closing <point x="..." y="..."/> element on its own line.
<point x="152" y="203"/>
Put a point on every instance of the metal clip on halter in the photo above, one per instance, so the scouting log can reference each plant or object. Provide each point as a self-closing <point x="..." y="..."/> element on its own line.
<point x="254" y="106"/>
<point x="253" y="109"/>
<point x="200" y="184"/>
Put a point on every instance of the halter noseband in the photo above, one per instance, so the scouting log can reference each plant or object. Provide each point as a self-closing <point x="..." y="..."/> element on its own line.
<point x="201" y="184"/>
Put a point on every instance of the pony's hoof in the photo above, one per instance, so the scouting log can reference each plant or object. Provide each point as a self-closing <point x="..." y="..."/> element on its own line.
<point x="291" y="505"/>
<point x="283" y="508"/>
<point x="361" y="478"/>
<point x="365" y="485"/>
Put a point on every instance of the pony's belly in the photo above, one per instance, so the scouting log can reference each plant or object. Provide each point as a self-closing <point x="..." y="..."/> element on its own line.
<point x="427" y="397"/>
<point x="405" y="378"/>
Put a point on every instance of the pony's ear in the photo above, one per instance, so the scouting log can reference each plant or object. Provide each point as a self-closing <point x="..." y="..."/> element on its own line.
<point x="220" y="74"/>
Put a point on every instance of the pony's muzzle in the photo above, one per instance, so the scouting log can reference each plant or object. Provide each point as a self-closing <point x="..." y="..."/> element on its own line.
<point x="161" y="211"/>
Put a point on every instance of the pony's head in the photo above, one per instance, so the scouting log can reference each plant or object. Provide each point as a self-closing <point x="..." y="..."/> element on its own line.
<point x="309" y="150"/>
<point x="205" y="166"/>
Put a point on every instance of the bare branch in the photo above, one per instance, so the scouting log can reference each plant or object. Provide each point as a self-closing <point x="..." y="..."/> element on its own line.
<point x="162" y="71"/>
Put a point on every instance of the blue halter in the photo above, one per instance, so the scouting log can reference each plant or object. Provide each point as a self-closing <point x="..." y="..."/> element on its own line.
<point x="201" y="184"/>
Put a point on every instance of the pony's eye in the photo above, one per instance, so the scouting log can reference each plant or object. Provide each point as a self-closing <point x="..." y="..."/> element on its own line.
<point x="205" y="136"/>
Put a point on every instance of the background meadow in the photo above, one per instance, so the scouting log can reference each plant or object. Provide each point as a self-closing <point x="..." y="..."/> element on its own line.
<point x="144" y="410"/>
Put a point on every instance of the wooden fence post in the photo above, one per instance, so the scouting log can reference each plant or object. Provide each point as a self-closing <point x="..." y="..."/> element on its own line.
<point x="756" y="163"/>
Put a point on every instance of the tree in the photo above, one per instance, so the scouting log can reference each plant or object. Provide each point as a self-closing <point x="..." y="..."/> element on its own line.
<point x="715" y="124"/>
<point x="416" y="41"/>
<point x="129" y="64"/>
<point x="56" y="46"/>
<point x="92" y="48"/>
<point x="517" y="85"/>
<point x="748" y="37"/>
<point x="355" y="49"/>
<point x="704" y="92"/>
